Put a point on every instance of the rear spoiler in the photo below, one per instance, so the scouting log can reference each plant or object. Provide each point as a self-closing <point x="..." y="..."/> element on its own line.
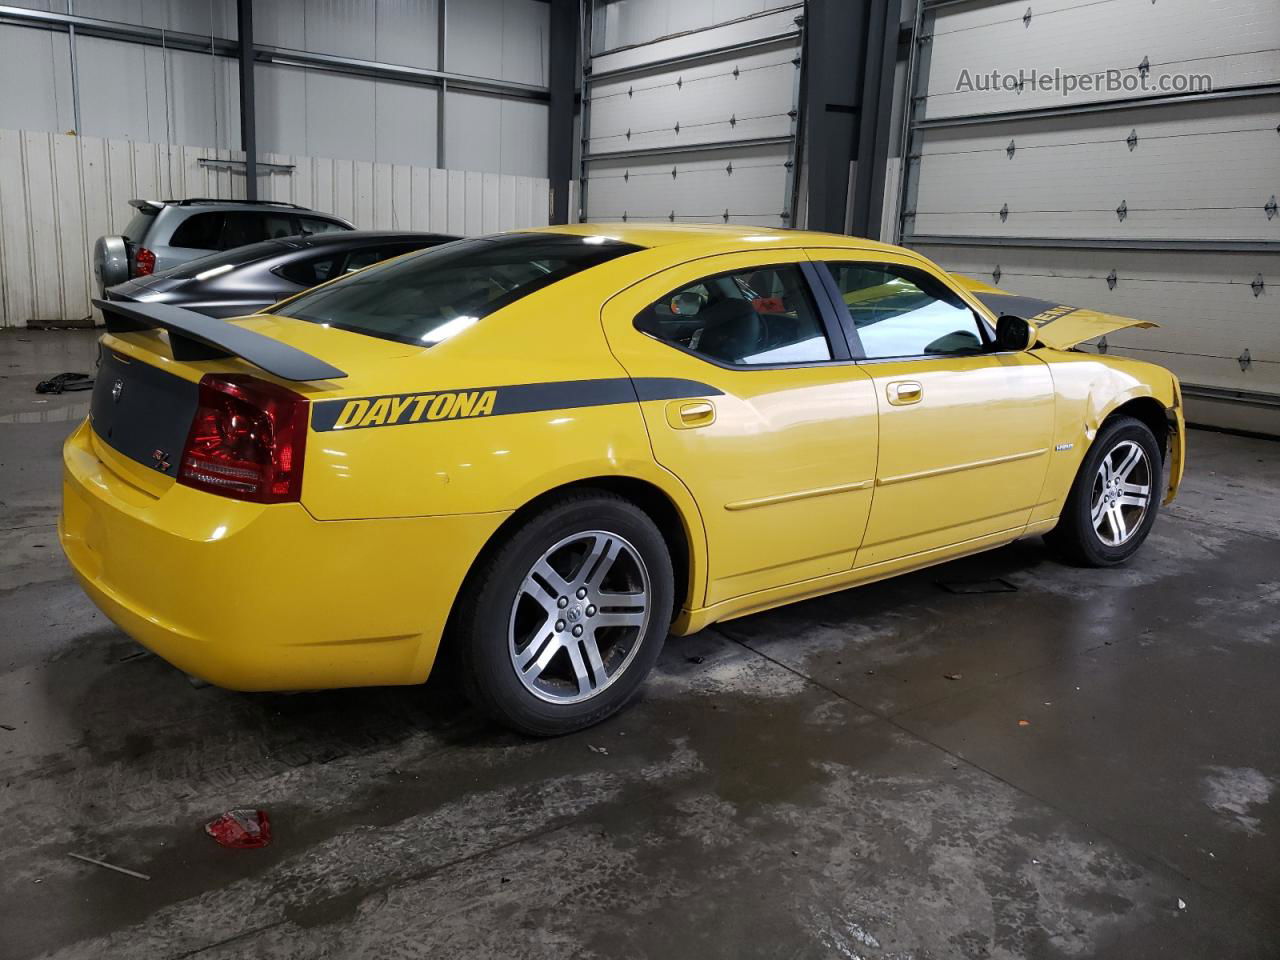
<point x="193" y="336"/>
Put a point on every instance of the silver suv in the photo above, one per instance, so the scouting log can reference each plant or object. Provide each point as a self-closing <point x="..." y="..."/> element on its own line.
<point x="165" y="233"/>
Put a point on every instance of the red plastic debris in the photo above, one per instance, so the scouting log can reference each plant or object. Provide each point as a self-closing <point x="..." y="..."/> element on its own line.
<point x="241" y="829"/>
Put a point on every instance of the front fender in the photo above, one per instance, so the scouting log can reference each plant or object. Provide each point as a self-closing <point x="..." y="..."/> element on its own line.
<point x="1090" y="388"/>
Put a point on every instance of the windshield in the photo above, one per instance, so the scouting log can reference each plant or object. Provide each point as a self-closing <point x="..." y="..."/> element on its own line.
<point x="430" y="296"/>
<point x="225" y="261"/>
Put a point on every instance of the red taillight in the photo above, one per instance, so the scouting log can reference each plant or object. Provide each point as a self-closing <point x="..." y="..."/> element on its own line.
<point x="247" y="440"/>
<point x="144" y="262"/>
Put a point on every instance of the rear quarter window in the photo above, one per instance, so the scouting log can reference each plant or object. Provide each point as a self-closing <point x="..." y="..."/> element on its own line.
<point x="138" y="226"/>
<point x="200" y="231"/>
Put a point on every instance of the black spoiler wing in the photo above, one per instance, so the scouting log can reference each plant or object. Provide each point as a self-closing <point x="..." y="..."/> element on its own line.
<point x="193" y="336"/>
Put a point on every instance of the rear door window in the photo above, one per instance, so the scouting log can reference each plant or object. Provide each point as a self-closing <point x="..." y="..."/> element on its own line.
<point x="251" y="226"/>
<point x="430" y="296"/>
<point x="200" y="231"/>
<point x="761" y="315"/>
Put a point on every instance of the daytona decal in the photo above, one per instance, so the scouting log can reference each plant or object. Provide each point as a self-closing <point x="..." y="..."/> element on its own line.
<point x="406" y="408"/>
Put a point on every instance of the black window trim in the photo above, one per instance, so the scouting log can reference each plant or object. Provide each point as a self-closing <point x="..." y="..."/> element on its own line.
<point x="850" y="329"/>
<point x="827" y="315"/>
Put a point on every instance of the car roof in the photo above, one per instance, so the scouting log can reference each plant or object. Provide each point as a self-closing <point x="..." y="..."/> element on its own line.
<point x="367" y="236"/>
<point x="714" y="236"/>
<point x="211" y="203"/>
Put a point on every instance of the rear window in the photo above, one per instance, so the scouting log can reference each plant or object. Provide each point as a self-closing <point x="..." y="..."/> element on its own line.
<point x="140" y="224"/>
<point x="430" y="296"/>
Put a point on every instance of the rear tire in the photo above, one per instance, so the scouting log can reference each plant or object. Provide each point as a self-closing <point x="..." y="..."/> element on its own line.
<point x="1114" y="499"/>
<point x="559" y="626"/>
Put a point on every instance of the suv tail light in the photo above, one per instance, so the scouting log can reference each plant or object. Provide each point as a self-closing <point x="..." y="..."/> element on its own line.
<point x="247" y="440"/>
<point x="144" y="262"/>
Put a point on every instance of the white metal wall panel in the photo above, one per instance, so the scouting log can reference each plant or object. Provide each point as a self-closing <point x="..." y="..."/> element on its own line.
<point x="708" y="100"/>
<point x="59" y="193"/>
<point x="702" y="190"/>
<point x="503" y="39"/>
<point x="622" y="23"/>
<point x="38" y="63"/>
<point x="389" y="31"/>
<point x="1234" y="41"/>
<point x="1195" y="171"/>
<point x="186" y="16"/>
<point x="1205" y="303"/>
<point x="157" y="96"/>
<point x="327" y="114"/>
<point x="1198" y="172"/>
<point x="747" y="92"/>
<point x="495" y="134"/>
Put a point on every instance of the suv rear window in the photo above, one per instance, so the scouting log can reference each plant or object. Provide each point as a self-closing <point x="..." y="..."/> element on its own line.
<point x="428" y="297"/>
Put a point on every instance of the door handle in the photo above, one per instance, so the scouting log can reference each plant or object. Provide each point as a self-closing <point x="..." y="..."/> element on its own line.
<point x="903" y="392"/>
<point x="686" y="414"/>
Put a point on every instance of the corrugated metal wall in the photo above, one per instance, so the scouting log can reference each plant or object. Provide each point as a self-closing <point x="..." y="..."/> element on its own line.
<point x="59" y="193"/>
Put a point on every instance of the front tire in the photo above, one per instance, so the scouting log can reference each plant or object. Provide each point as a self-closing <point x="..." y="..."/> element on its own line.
<point x="1115" y="497"/>
<point x="560" y="625"/>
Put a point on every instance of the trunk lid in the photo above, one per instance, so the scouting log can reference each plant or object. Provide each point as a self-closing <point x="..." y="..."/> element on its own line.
<point x="144" y="399"/>
<point x="1058" y="325"/>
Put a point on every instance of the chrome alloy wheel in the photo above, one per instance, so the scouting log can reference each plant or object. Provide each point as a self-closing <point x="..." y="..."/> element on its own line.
<point x="1121" y="493"/>
<point x="579" y="616"/>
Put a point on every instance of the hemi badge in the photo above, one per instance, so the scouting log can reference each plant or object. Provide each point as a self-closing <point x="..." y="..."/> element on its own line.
<point x="1064" y="446"/>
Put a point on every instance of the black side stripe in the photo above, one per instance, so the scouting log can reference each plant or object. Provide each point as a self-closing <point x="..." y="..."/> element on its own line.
<point x="402" y="409"/>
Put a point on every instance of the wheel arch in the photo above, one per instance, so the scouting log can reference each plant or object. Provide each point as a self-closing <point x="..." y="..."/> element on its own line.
<point x="679" y="524"/>
<point x="1149" y="411"/>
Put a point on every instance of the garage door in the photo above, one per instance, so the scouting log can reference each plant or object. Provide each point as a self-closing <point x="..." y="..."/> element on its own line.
<point x="695" y="127"/>
<point x="1118" y="155"/>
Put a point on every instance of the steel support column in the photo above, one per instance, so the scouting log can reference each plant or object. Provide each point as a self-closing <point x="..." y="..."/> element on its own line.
<point x="835" y="43"/>
<point x="850" y="53"/>
<point x="248" y="121"/>
<point x="564" y="42"/>
<point x="875" y="111"/>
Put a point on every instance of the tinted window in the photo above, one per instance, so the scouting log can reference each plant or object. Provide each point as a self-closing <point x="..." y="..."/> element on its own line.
<point x="313" y="270"/>
<point x="246" y="227"/>
<point x="140" y="224"/>
<point x="359" y="259"/>
<point x="748" y="317"/>
<point x="901" y="312"/>
<point x="317" y="225"/>
<point x="201" y="231"/>
<point x="430" y="296"/>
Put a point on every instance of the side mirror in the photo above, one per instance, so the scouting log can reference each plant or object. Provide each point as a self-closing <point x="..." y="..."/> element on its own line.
<point x="1014" y="333"/>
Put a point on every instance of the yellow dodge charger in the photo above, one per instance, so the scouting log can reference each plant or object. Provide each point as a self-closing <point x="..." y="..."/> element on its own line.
<point x="549" y="449"/>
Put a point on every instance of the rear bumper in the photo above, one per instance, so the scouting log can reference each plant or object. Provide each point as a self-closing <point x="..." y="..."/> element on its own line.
<point x="263" y="597"/>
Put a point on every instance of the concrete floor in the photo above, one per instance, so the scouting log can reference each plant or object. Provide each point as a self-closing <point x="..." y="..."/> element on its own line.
<point x="807" y="782"/>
